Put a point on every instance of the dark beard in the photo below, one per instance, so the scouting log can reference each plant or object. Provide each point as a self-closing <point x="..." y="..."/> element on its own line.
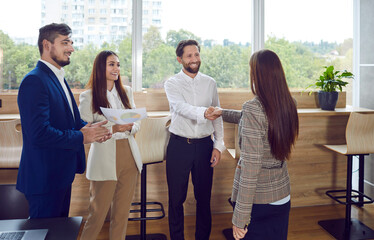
<point x="61" y="63"/>
<point x="190" y="70"/>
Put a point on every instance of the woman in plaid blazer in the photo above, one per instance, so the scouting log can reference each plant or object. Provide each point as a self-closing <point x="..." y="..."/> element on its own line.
<point x="268" y="128"/>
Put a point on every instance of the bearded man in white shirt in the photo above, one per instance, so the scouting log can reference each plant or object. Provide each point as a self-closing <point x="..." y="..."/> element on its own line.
<point x="191" y="148"/>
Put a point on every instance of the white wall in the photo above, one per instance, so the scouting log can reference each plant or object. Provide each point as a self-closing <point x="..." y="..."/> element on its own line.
<point x="365" y="67"/>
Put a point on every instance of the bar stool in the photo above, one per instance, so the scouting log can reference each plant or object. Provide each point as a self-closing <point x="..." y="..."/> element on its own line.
<point x="152" y="140"/>
<point x="10" y="144"/>
<point x="359" y="136"/>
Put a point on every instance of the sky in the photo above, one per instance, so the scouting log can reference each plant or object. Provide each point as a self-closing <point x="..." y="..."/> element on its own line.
<point x="19" y="21"/>
<point x="296" y="20"/>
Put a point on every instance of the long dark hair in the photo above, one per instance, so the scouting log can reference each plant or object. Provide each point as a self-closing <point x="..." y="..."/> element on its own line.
<point x="268" y="83"/>
<point x="98" y="84"/>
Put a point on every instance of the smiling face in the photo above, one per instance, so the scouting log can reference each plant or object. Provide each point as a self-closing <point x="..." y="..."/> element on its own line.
<point x="58" y="52"/>
<point x="190" y="60"/>
<point x="112" y="70"/>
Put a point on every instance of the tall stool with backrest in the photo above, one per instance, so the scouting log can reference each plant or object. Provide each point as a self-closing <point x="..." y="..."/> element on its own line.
<point x="10" y="143"/>
<point x="359" y="142"/>
<point x="152" y="140"/>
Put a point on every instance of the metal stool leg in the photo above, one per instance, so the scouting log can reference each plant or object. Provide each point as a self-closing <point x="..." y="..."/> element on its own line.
<point x="348" y="228"/>
<point x="143" y="212"/>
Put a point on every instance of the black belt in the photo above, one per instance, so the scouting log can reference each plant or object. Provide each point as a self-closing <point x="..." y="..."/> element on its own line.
<point x="190" y="140"/>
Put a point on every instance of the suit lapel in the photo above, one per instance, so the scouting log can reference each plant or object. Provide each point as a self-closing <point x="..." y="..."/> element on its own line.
<point x="74" y="104"/>
<point x="57" y="84"/>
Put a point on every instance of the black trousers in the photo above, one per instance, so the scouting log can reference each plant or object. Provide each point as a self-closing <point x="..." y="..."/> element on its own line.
<point x="269" y="222"/>
<point x="182" y="158"/>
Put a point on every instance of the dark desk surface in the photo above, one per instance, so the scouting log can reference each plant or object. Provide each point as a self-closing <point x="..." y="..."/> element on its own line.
<point x="58" y="228"/>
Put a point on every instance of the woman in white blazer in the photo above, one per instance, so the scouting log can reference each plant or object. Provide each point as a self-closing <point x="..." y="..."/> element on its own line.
<point x="112" y="166"/>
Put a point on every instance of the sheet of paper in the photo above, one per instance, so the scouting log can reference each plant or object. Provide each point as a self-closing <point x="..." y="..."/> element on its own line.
<point x="124" y="116"/>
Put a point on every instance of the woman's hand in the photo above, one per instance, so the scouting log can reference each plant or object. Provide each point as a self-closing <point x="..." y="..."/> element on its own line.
<point x="122" y="127"/>
<point x="212" y="113"/>
<point x="238" y="233"/>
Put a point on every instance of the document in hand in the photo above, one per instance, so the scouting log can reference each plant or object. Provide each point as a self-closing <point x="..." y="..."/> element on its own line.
<point x="124" y="116"/>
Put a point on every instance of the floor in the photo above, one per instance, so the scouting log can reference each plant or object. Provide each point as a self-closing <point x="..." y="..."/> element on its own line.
<point x="303" y="223"/>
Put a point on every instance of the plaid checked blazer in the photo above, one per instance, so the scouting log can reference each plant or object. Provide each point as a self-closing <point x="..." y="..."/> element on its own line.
<point x="259" y="177"/>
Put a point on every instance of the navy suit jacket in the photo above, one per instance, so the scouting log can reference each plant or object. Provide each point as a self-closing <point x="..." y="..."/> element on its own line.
<point x="53" y="150"/>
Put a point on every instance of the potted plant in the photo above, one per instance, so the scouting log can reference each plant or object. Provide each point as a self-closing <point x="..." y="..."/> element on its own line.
<point x="328" y="83"/>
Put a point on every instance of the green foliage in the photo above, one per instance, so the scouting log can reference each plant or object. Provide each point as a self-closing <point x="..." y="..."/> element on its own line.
<point x="124" y="53"/>
<point x="18" y="60"/>
<point x="227" y="64"/>
<point x="158" y="65"/>
<point x="331" y="80"/>
<point x="321" y="48"/>
<point x="174" y="37"/>
<point x="299" y="63"/>
<point x="152" y="39"/>
<point x="78" y="72"/>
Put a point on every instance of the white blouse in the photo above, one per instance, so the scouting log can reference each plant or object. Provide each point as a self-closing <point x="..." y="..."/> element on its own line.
<point x="101" y="160"/>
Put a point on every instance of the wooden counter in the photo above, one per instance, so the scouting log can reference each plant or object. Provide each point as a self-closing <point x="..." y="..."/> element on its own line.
<point x="313" y="169"/>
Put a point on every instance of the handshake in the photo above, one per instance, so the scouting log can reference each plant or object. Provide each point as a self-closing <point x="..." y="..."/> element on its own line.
<point x="212" y="113"/>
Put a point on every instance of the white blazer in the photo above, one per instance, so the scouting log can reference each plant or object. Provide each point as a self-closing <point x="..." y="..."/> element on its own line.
<point x="101" y="162"/>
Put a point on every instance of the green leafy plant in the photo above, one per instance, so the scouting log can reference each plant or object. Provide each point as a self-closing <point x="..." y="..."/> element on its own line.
<point x="331" y="80"/>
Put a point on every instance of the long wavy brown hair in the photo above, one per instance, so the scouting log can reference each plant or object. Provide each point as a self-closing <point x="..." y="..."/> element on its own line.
<point x="98" y="84"/>
<point x="268" y="83"/>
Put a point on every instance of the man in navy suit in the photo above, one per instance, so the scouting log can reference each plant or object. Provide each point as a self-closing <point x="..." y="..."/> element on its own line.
<point x="53" y="132"/>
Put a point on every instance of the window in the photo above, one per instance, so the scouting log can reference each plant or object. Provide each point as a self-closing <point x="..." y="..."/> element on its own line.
<point x="77" y="23"/>
<point x="156" y="21"/>
<point x="224" y="32"/>
<point x="75" y="16"/>
<point x="307" y="44"/>
<point x="156" y="4"/>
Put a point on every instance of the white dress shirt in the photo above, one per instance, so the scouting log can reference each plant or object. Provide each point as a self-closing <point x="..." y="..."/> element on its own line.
<point x="60" y="74"/>
<point x="188" y="99"/>
<point x="116" y="103"/>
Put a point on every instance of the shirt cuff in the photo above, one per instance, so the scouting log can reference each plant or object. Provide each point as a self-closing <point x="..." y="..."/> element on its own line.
<point x="121" y="135"/>
<point x="200" y="115"/>
<point x="219" y="145"/>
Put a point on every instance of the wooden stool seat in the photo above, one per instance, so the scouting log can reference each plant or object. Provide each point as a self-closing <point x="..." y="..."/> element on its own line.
<point x="10" y="143"/>
<point x="360" y="142"/>
<point x="152" y="140"/>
